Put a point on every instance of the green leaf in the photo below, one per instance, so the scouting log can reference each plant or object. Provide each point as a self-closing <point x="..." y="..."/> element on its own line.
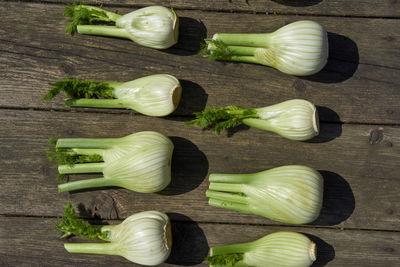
<point x="70" y="225"/>
<point x="221" y="118"/>
<point x="215" y="50"/>
<point x="225" y="259"/>
<point x="77" y="88"/>
<point x="66" y="156"/>
<point x="82" y="14"/>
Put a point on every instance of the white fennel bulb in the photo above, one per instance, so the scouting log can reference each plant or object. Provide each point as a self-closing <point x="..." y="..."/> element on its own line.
<point x="132" y="142"/>
<point x="146" y="170"/>
<point x="155" y="95"/>
<point x="153" y="26"/>
<point x="299" y="48"/>
<point x="143" y="238"/>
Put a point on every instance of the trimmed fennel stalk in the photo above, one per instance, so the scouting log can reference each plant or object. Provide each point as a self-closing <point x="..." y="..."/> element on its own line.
<point x="144" y="238"/>
<point x="155" y="26"/>
<point x="140" y="162"/>
<point x="154" y="95"/>
<point x="295" y="119"/>
<point x="290" y="194"/>
<point x="299" y="48"/>
<point x="288" y="249"/>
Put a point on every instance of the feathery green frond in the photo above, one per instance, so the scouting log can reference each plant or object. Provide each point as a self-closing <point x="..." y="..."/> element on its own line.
<point x="221" y="118"/>
<point x="62" y="177"/>
<point x="66" y="156"/>
<point x="83" y="15"/>
<point x="225" y="260"/>
<point x="77" y="88"/>
<point x="70" y="224"/>
<point x="215" y="50"/>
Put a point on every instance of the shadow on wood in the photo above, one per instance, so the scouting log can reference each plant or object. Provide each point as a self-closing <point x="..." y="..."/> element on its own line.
<point x="327" y="131"/>
<point x="191" y="35"/>
<point x="92" y="217"/>
<point x="325" y="252"/>
<point x="189" y="167"/>
<point x="233" y="130"/>
<point x="194" y="99"/>
<point x="190" y="245"/>
<point x="342" y="62"/>
<point x="298" y="3"/>
<point x="338" y="203"/>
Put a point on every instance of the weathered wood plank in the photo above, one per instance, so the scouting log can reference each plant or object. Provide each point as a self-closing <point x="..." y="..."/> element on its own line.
<point x="360" y="83"/>
<point x="367" y="8"/>
<point x="359" y="168"/>
<point x="33" y="242"/>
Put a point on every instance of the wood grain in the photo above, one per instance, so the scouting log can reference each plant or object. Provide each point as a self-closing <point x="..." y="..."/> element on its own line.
<point x="359" y="84"/>
<point x="365" y="8"/>
<point x="33" y="242"/>
<point x="359" y="164"/>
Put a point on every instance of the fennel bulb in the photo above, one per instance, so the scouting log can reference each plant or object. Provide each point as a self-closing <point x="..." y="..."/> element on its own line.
<point x="285" y="249"/>
<point x="144" y="238"/>
<point x="295" y="119"/>
<point x="154" y="26"/>
<point x="290" y="194"/>
<point x="140" y="162"/>
<point x="299" y="48"/>
<point x="154" y="95"/>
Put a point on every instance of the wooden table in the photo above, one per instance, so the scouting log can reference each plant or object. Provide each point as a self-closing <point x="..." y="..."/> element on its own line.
<point x="358" y="151"/>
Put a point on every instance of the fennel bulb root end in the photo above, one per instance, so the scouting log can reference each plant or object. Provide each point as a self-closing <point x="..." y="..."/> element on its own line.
<point x="316" y="122"/>
<point x="313" y="251"/>
<point x="176" y="96"/>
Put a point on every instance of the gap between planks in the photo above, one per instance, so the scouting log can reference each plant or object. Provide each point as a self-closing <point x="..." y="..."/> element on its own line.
<point x="11" y="216"/>
<point x="129" y="112"/>
<point x="217" y="10"/>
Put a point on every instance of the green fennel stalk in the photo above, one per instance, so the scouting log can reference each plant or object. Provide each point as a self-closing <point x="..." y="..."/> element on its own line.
<point x="68" y="157"/>
<point x="86" y="15"/>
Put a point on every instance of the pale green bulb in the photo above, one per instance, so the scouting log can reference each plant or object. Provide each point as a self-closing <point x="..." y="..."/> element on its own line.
<point x="153" y="26"/>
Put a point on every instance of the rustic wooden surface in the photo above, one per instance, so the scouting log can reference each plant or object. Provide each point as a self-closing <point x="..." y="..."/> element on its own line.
<point x="357" y="95"/>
